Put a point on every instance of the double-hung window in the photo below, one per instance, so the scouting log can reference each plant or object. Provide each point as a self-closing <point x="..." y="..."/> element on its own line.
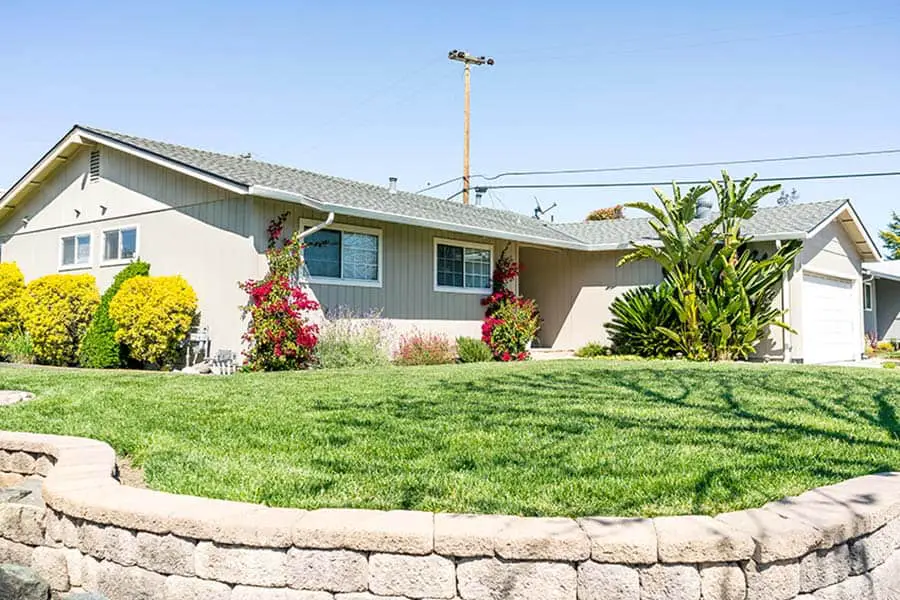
<point x="120" y="244"/>
<point x="462" y="266"/>
<point x="344" y="255"/>
<point x="75" y="250"/>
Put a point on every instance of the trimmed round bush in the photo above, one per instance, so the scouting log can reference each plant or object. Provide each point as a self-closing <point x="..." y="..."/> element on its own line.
<point x="56" y="311"/>
<point x="472" y="350"/>
<point x="99" y="348"/>
<point x="153" y="316"/>
<point x="12" y="286"/>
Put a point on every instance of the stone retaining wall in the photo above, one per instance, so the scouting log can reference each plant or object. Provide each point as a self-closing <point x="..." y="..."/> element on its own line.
<point x="835" y="542"/>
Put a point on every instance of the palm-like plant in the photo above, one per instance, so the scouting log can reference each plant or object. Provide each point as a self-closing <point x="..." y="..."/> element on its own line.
<point x="721" y="292"/>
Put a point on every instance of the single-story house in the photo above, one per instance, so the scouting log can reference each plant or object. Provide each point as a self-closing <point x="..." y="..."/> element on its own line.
<point x="98" y="199"/>
<point x="881" y="300"/>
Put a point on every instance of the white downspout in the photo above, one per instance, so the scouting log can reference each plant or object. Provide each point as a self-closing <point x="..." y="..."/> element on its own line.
<point x="319" y="314"/>
<point x="328" y="221"/>
<point x="785" y="306"/>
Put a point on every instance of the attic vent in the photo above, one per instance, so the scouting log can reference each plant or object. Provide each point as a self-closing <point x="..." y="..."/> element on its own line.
<point x="94" y="173"/>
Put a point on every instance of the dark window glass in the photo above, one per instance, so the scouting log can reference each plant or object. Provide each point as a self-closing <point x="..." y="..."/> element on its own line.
<point x="323" y="253"/>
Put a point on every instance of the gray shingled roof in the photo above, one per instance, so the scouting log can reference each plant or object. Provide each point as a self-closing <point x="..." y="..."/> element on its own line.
<point x="768" y="221"/>
<point x="355" y="195"/>
<point x="343" y="192"/>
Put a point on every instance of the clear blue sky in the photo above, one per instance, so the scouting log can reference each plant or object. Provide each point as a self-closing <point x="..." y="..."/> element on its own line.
<point x="364" y="89"/>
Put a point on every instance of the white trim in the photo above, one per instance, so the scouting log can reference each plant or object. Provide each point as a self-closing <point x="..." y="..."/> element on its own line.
<point x="460" y="244"/>
<point x="374" y="283"/>
<point x="104" y="262"/>
<point x="826" y="274"/>
<point x="76" y="265"/>
<point x="868" y="285"/>
<point x="377" y="215"/>
<point x="164" y="162"/>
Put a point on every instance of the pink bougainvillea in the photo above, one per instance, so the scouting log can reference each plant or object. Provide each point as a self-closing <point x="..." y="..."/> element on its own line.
<point x="279" y="335"/>
<point x="510" y="321"/>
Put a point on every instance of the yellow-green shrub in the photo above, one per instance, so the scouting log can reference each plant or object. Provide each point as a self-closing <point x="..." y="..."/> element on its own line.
<point x="153" y="315"/>
<point x="12" y="285"/>
<point x="56" y="311"/>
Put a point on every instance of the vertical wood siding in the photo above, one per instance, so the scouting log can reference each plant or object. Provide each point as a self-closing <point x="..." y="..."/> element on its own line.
<point x="407" y="290"/>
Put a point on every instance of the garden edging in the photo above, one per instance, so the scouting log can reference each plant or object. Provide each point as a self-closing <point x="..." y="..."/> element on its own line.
<point x="838" y="541"/>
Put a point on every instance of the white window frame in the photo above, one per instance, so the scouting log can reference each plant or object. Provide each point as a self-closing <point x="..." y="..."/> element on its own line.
<point x="76" y="266"/>
<point x="461" y="244"/>
<point x="868" y="287"/>
<point x="120" y="261"/>
<point x="373" y="283"/>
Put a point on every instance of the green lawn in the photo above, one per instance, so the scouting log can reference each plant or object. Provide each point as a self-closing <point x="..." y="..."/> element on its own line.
<point x="541" y="438"/>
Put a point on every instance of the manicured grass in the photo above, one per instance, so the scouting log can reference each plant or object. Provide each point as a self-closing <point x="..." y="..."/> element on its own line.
<point x="547" y="438"/>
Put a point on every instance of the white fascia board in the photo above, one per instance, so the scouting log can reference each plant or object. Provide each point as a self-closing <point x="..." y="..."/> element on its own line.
<point x="231" y="186"/>
<point x="61" y="146"/>
<point x="377" y="215"/>
<point x="781" y="236"/>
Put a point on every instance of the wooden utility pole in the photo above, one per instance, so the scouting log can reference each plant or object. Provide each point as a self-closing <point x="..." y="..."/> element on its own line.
<point x="468" y="60"/>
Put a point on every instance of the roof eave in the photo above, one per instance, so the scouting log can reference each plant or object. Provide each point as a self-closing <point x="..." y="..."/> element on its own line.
<point x="871" y="248"/>
<point x="368" y="213"/>
<point x="79" y="136"/>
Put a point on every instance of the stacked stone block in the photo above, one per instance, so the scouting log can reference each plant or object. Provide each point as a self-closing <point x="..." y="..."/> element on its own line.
<point x="94" y="535"/>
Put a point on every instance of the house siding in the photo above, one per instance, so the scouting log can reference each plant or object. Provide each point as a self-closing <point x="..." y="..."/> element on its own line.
<point x="887" y="293"/>
<point x="186" y="227"/>
<point x="574" y="291"/>
<point x="407" y="296"/>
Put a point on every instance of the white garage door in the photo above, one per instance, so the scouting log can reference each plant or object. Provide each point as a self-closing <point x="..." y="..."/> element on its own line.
<point x="831" y="313"/>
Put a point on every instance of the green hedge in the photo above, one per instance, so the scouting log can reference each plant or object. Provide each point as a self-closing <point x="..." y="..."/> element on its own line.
<point x="99" y="348"/>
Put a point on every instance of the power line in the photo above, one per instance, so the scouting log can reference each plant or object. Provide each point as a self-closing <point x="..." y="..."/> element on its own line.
<point x="538" y="186"/>
<point x="746" y="161"/>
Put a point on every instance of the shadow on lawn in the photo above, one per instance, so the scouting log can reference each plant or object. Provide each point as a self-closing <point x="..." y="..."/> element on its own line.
<point x="757" y="413"/>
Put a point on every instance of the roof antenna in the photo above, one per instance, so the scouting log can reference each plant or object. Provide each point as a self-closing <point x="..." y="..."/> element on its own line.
<point x="540" y="212"/>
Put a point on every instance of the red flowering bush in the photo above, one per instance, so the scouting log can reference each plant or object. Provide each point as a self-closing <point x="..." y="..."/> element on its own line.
<point x="424" y="349"/>
<point x="511" y="328"/>
<point x="279" y="335"/>
<point x="510" y="321"/>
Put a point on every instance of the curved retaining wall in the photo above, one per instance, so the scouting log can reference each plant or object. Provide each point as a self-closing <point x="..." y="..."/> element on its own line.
<point x="835" y="542"/>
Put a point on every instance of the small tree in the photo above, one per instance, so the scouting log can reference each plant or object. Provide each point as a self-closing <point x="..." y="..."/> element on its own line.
<point x="607" y="214"/>
<point x="891" y="237"/>
<point x="279" y="334"/>
<point x="99" y="348"/>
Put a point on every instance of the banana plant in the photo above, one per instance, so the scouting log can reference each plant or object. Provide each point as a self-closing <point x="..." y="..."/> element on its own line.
<point x="720" y="292"/>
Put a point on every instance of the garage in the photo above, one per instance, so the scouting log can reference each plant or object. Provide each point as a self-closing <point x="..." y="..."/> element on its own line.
<point x="831" y="315"/>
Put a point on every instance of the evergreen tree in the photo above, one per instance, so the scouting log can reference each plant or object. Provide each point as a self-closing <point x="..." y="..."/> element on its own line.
<point x="891" y="237"/>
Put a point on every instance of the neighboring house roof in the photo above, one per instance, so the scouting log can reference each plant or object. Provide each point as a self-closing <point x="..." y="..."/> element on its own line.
<point x="889" y="269"/>
<point x="333" y="194"/>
